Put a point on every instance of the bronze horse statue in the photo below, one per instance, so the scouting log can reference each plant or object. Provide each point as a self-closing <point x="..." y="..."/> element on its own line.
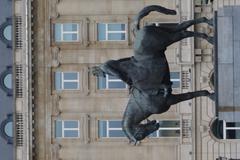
<point x="147" y="72"/>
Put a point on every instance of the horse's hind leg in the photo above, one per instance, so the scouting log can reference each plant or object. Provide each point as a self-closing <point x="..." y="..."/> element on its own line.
<point x="185" y="34"/>
<point x="184" y="25"/>
<point x="199" y="35"/>
<point x="176" y="98"/>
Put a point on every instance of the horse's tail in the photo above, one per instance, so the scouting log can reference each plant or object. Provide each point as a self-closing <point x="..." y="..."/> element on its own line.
<point x="146" y="10"/>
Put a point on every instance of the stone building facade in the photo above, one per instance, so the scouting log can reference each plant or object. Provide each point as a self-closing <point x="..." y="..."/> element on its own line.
<point x="69" y="114"/>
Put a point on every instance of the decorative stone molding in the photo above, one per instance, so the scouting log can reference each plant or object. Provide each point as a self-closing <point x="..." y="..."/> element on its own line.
<point x="55" y="56"/>
<point x="53" y="9"/>
<point x="86" y="41"/>
<point x="55" y="108"/>
<point x="55" y="151"/>
<point x="203" y="128"/>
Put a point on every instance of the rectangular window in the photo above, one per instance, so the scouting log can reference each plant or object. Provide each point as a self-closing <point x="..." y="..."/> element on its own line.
<point x="175" y="79"/>
<point x="110" y="82"/>
<point x="66" y="80"/>
<point x="66" y="32"/>
<point x="231" y="130"/>
<point x="111" y="31"/>
<point x="67" y="129"/>
<point x="168" y="128"/>
<point x="110" y="129"/>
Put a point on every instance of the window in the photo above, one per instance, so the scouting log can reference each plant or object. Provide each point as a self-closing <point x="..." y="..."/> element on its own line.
<point x="110" y="129"/>
<point x="7" y="81"/>
<point x="168" y="128"/>
<point x="66" y="32"/>
<point x="175" y="78"/>
<point x="7" y="32"/>
<point x="231" y="130"/>
<point x="111" y="32"/>
<point x="8" y="129"/>
<point x="110" y="82"/>
<point x="67" y="129"/>
<point x="66" y="80"/>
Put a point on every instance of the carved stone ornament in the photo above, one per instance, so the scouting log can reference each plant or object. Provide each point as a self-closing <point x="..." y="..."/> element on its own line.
<point x="53" y="9"/>
<point x="55" y="56"/>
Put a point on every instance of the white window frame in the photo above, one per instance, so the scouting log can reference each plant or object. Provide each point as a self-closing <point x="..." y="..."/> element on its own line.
<point x="225" y="128"/>
<point x="69" y="129"/>
<point x="166" y="129"/>
<point x="111" y="129"/>
<point x="107" y="31"/>
<point x="63" y="80"/>
<point x="68" y="32"/>
<point x="114" y="80"/>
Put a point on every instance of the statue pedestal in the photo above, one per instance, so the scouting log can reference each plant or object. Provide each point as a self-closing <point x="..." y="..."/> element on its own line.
<point x="227" y="63"/>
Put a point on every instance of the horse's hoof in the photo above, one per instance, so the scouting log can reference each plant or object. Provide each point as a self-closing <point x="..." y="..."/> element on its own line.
<point x="210" y="22"/>
<point x="210" y="40"/>
<point x="212" y="96"/>
<point x="134" y="142"/>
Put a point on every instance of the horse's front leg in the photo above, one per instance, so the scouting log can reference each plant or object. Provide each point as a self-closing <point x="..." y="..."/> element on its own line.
<point x="176" y="98"/>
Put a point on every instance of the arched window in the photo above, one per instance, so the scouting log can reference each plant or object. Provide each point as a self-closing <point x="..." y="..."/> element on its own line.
<point x="6" y="81"/>
<point x="6" y="32"/>
<point x="6" y="129"/>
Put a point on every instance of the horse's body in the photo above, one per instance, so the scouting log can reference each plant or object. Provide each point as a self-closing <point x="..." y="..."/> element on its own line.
<point x="147" y="73"/>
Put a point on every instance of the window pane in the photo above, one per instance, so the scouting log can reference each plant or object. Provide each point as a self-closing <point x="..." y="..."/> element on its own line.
<point x="169" y="124"/>
<point x="7" y="32"/>
<point x="58" y="129"/>
<point x="70" y="37"/>
<point x="101" y="83"/>
<point x="233" y="134"/>
<point x="70" y="133"/>
<point x="8" y="81"/>
<point x="113" y="77"/>
<point x="113" y="85"/>
<point x="116" y="133"/>
<point x="58" y="80"/>
<point x="70" y="76"/>
<point x="175" y="78"/>
<point x="154" y="134"/>
<point x="115" y="124"/>
<point x="176" y="84"/>
<point x="57" y="32"/>
<point x="233" y="124"/>
<point x="8" y="129"/>
<point x="70" y="27"/>
<point x="175" y="75"/>
<point x="70" y="85"/>
<point x="101" y="31"/>
<point x="116" y="36"/>
<point x="116" y="27"/>
<point x="70" y="124"/>
<point x="169" y="133"/>
<point x="102" y="128"/>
